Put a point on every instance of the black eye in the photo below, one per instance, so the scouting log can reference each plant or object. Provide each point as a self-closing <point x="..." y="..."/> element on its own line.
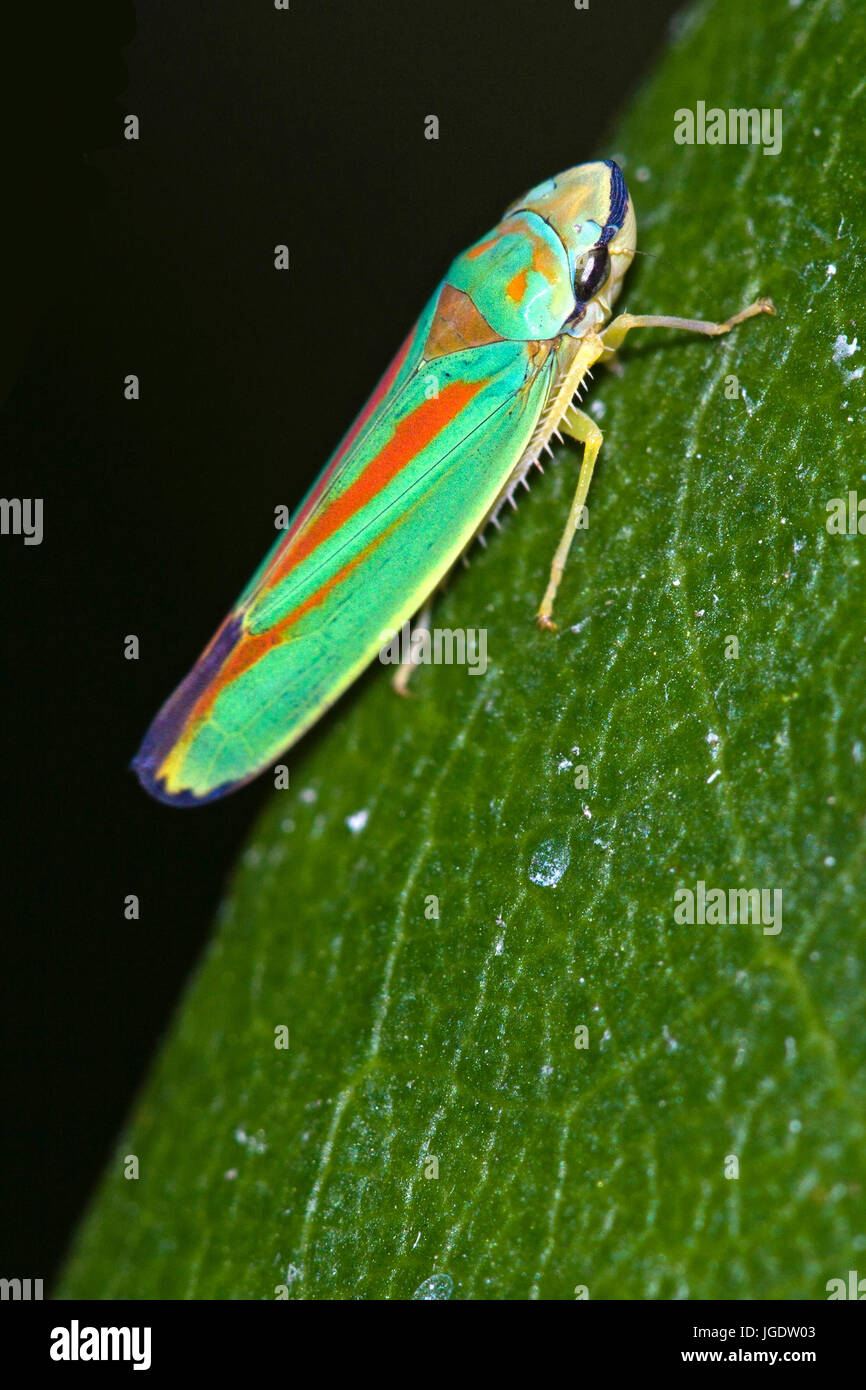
<point x="592" y="271"/>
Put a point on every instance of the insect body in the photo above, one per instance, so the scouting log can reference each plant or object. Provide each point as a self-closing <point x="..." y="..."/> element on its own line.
<point x="485" y="379"/>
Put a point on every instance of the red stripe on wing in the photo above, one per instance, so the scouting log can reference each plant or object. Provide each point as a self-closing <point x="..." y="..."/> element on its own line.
<point x="373" y="403"/>
<point x="412" y="434"/>
<point x="251" y="647"/>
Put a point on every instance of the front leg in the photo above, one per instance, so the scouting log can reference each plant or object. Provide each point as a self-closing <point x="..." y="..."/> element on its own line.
<point x="615" y="332"/>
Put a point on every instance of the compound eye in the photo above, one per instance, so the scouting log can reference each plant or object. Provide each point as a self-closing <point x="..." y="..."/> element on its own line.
<point x="592" y="271"/>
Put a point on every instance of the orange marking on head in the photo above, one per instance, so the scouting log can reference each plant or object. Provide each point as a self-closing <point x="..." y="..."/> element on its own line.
<point x="476" y="251"/>
<point x="542" y="262"/>
<point x="516" y="287"/>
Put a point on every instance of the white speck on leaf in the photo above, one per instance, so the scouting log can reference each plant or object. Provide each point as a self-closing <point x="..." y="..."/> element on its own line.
<point x="842" y="349"/>
<point x="253" y="1143"/>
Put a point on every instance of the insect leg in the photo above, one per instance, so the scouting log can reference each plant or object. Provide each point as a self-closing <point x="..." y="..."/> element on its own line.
<point x="402" y="676"/>
<point x="615" y="332"/>
<point x="585" y="431"/>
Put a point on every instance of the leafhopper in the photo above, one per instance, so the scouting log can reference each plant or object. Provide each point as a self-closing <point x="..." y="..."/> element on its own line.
<point x="489" y="375"/>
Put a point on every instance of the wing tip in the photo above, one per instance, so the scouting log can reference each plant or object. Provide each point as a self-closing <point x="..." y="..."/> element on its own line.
<point x="156" y="787"/>
<point x="170" y="723"/>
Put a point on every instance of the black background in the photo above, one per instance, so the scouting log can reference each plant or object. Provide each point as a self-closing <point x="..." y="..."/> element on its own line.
<point x="155" y="257"/>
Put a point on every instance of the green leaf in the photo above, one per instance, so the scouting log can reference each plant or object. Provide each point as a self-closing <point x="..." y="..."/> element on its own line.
<point x="415" y="1037"/>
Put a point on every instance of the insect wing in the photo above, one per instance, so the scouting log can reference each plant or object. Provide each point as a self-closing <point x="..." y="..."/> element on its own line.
<point x="396" y="505"/>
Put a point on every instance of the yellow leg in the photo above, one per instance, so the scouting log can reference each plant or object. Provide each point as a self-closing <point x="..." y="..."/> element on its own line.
<point x="615" y="332"/>
<point x="585" y="431"/>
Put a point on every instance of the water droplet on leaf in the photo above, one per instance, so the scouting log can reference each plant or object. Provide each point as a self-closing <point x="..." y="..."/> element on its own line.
<point x="438" y="1286"/>
<point x="549" y="863"/>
